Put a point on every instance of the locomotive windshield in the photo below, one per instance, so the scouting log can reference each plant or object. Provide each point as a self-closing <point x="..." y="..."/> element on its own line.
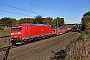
<point x="16" y="27"/>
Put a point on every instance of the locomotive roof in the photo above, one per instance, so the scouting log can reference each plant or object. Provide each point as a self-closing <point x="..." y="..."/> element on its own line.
<point x="39" y="25"/>
<point x="32" y="24"/>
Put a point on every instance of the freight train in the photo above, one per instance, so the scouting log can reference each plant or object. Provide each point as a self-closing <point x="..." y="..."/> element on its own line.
<point x="23" y="33"/>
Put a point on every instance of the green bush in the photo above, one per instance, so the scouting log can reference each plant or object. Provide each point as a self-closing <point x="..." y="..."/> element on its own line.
<point x="80" y="38"/>
<point x="59" y="55"/>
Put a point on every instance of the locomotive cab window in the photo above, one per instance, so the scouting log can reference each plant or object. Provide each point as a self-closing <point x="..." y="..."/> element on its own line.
<point x="16" y="27"/>
<point x="26" y="27"/>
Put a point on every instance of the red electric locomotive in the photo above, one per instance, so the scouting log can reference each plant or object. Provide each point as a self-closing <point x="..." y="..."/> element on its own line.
<point x="21" y="33"/>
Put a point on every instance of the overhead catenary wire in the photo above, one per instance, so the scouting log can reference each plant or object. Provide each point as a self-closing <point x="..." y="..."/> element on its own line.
<point x="31" y="11"/>
<point x="40" y="7"/>
<point x="8" y="5"/>
<point x="48" y="10"/>
<point x="37" y="5"/>
<point x="14" y="13"/>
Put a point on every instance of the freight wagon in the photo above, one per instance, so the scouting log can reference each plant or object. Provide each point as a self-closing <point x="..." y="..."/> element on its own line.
<point x="59" y="30"/>
<point x="23" y="33"/>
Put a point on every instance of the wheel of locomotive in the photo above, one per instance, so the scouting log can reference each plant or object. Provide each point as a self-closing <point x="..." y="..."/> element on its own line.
<point x="35" y="39"/>
<point x="29" y="40"/>
<point x="47" y="37"/>
<point x="41" y="38"/>
<point x="13" y="43"/>
<point x="26" y="41"/>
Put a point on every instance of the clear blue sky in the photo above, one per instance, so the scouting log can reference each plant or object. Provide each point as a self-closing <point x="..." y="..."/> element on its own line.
<point x="71" y="10"/>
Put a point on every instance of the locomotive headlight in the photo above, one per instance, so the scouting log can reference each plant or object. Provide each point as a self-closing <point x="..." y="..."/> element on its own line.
<point x="19" y="32"/>
<point x="12" y="33"/>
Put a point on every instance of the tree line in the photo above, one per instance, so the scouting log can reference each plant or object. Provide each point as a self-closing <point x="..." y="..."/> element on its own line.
<point x="7" y="21"/>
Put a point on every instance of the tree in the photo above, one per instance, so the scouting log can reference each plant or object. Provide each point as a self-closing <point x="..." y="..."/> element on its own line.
<point x="86" y="14"/>
<point x="7" y="21"/>
<point x="49" y="21"/>
<point x="30" y="20"/>
<point x="86" y="21"/>
<point x="22" y="20"/>
<point x="14" y="21"/>
<point x="26" y="20"/>
<point x="38" y="20"/>
<point x="59" y="21"/>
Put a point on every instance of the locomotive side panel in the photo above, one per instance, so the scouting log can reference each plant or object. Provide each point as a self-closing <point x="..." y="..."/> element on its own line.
<point x="40" y="30"/>
<point x="35" y="31"/>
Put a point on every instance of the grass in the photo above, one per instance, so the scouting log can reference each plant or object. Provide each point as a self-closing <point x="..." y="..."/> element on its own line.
<point x="5" y="31"/>
<point x="78" y="49"/>
<point x="60" y="55"/>
<point x="4" y="42"/>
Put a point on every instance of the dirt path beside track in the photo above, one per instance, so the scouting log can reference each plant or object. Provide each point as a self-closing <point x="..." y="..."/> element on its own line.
<point x="41" y="50"/>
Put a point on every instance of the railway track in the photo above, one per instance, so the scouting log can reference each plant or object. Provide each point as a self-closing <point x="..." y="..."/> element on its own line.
<point x="41" y="48"/>
<point x="4" y="36"/>
<point x="5" y="48"/>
